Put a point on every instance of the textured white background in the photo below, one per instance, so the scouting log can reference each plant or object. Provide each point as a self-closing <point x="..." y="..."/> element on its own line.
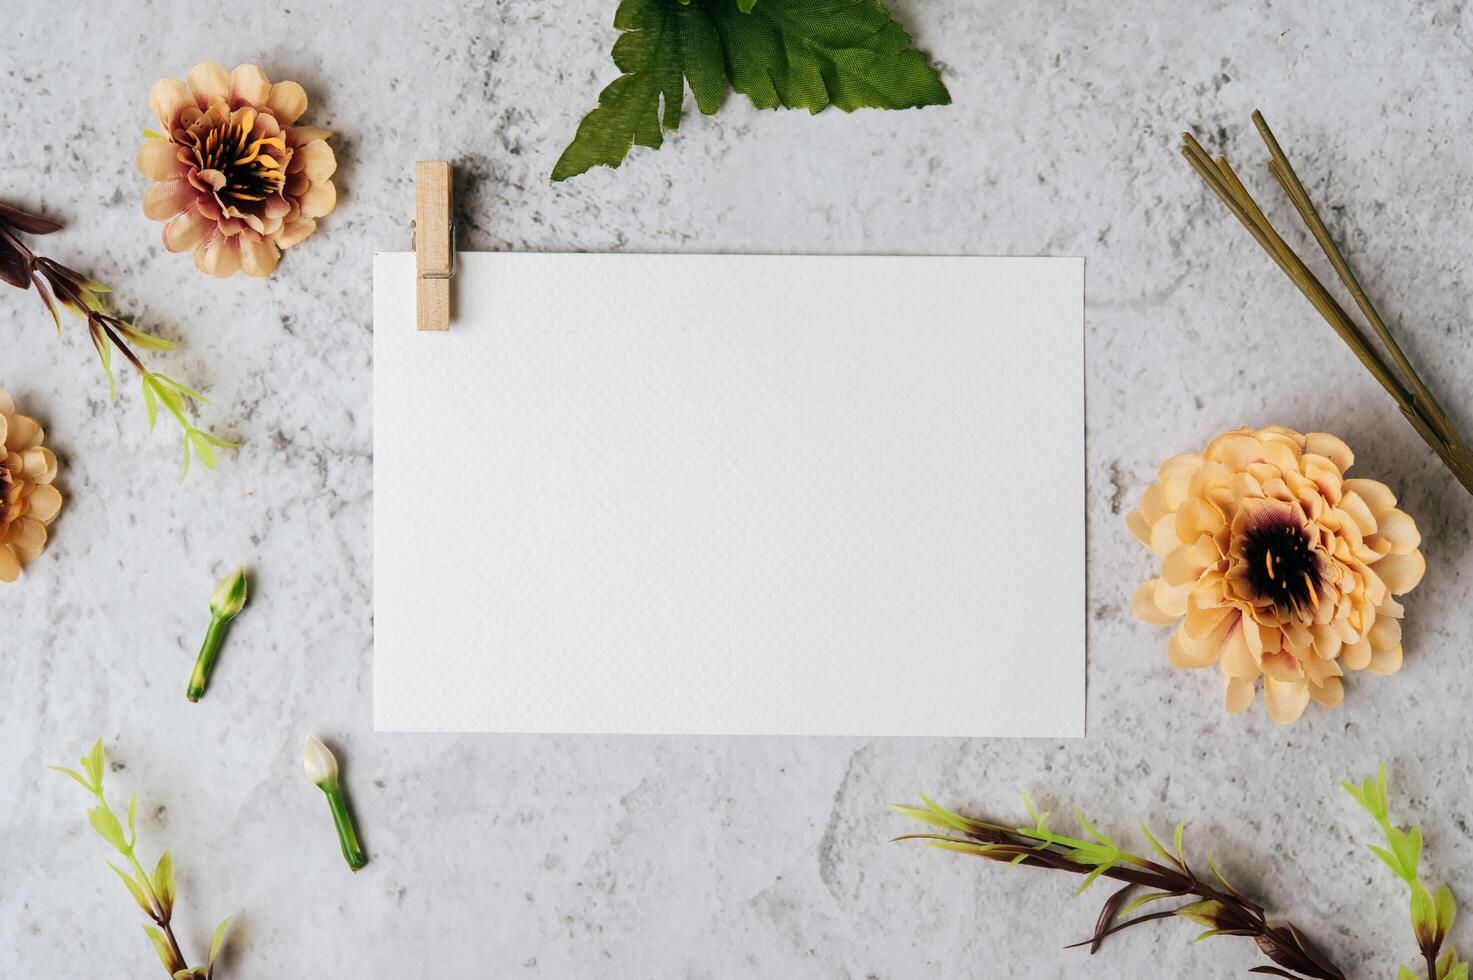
<point x="665" y="857"/>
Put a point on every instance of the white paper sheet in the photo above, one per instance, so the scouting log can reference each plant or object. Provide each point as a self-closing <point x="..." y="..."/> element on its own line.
<point x="731" y="494"/>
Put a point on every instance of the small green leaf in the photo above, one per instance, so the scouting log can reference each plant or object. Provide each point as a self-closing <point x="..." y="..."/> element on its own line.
<point x="75" y="775"/>
<point x="1176" y="842"/>
<point x="1145" y="900"/>
<point x="1424" y="916"/>
<point x="107" y="827"/>
<point x="1209" y="913"/>
<point x="132" y="819"/>
<point x="1155" y="844"/>
<point x="202" y="448"/>
<point x="163" y="883"/>
<point x="745" y="6"/>
<point x="165" y="951"/>
<point x="151" y="402"/>
<point x="1388" y="858"/>
<point x="1090" y="879"/>
<point x="133" y="889"/>
<point x="92" y="763"/>
<point x="217" y="940"/>
<point x="1405" y="973"/>
<point x="1447" y="910"/>
<point x="150" y="134"/>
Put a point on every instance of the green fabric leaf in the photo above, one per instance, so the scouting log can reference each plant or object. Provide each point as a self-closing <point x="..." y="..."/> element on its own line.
<point x="165" y="951"/>
<point x="92" y="763"/>
<point x="802" y="55"/>
<point x="163" y="883"/>
<point x="107" y="827"/>
<point x="218" y="940"/>
<point x="791" y="53"/>
<point x="133" y="889"/>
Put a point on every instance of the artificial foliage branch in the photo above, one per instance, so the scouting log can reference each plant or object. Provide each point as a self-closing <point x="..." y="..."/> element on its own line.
<point x="155" y="893"/>
<point x="797" y="54"/>
<point x="1213" y="902"/>
<point x="59" y="286"/>
<point x="1386" y="361"/>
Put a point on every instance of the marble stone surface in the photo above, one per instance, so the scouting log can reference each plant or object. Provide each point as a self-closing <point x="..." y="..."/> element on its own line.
<point x="709" y="857"/>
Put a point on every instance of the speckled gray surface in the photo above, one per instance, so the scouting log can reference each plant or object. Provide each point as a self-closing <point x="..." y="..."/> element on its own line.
<point x="678" y="857"/>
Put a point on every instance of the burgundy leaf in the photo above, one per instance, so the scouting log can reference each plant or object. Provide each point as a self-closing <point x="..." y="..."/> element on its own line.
<point x="14" y="268"/>
<point x="31" y="224"/>
<point x="1107" y="916"/>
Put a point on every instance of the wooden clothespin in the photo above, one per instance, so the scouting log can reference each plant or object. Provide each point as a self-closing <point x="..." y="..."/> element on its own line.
<point x="434" y="244"/>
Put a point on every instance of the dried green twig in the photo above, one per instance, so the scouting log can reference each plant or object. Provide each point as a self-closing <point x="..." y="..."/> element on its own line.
<point x="155" y="892"/>
<point x="1220" y="907"/>
<point x="1396" y="375"/>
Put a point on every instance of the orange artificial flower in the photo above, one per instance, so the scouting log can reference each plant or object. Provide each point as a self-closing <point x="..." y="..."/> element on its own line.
<point x="233" y="175"/>
<point x="1275" y="564"/>
<point x="28" y="501"/>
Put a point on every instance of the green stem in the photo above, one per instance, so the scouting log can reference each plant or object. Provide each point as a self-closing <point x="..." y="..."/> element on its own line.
<point x="343" y="820"/>
<point x="205" y="663"/>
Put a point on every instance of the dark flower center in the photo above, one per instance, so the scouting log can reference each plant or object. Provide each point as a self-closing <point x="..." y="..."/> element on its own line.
<point x="1282" y="567"/>
<point x="251" y="174"/>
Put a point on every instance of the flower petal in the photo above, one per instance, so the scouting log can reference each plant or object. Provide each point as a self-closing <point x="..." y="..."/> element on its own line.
<point x="219" y="256"/>
<point x="1331" y="447"/>
<point x="1357" y="656"/>
<point x="249" y="85"/>
<point x="45" y="503"/>
<point x="287" y="101"/>
<point x="166" y="98"/>
<point x="30" y="540"/>
<point x="187" y="230"/>
<point x="1377" y="495"/>
<point x="1385" y="633"/>
<point x="1399" y="529"/>
<point x="9" y="564"/>
<point x="1330" y="693"/>
<point x="23" y="433"/>
<point x="1386" y="661"/>
<point x="1285" y="701"/>
<point x="1135" y="520"/>
<point x="319" y="200"/>
<point x="294" y="231"/>
<point x="1401" y="573"/>
<point x="257" y="255"/>
<point x="319" y="164"/>
<point x="166" y="198"/>
<point x="1238" y="695"/>
<point x="208" y="81"/>
<point x="158" y="160"/>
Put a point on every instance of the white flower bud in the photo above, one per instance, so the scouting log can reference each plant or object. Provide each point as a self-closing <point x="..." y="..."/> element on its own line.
<point x="321" y="766"/>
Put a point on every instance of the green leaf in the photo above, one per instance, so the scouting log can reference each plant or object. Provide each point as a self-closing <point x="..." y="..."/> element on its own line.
<point x="150" y="134"/>
<point x="1207" y="913"/>
<point x="92" y="763"/>
<point x="1388" y="857"/>
<point x="202" y="447"/>
<point x="1447" y="910"/>
<point x="184" y="472"/>
<point x="802" y="55"/>
<point x="1405" y="973"/>
<point x="1090" y="878"/>
<point x="1176" y="842"/>
<point x="1155" y="844"/>
<point x="1424" y="916"/>
<point x="151" y="402"/>
<point x="138" y="894"/>
<point x="217" y="940"/>
<point x="1145" y="900"/>
<point x="107" y="827"/>
<point x="649" y="53"/>
<point x="75" y="775"/>
<point x="165" y="951"/>
<point x="792" y="53"/>
<point x="163" y="883"/>
<point x="132" y="819"/>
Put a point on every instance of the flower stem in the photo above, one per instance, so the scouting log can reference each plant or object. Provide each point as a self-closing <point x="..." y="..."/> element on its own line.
<point x="204" y="664"/>
<point x="343" y="820"/>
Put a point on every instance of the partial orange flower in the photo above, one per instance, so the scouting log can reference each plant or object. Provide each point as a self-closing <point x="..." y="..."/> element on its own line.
<point x="1274" y="564"/>
<point x="233" y="175"/>
<point x="28" y="501"/>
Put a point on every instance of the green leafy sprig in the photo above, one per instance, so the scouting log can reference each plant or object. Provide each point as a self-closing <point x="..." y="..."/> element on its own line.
<point x="82" y="296"/>
<point x="1432" y="912"/>
<point x="790" y="53"/>
<point x="1215" y="905"/>
<point x="154" y="893"/>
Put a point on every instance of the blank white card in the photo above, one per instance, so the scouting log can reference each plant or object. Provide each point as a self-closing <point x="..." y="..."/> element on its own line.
<point x="731" y="494"/>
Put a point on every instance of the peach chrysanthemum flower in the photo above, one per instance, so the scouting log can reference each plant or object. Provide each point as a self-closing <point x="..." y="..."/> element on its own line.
<point x="28" y="501"/>
<point x="1276" y="564"/>
<point x="233" y="175"/>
